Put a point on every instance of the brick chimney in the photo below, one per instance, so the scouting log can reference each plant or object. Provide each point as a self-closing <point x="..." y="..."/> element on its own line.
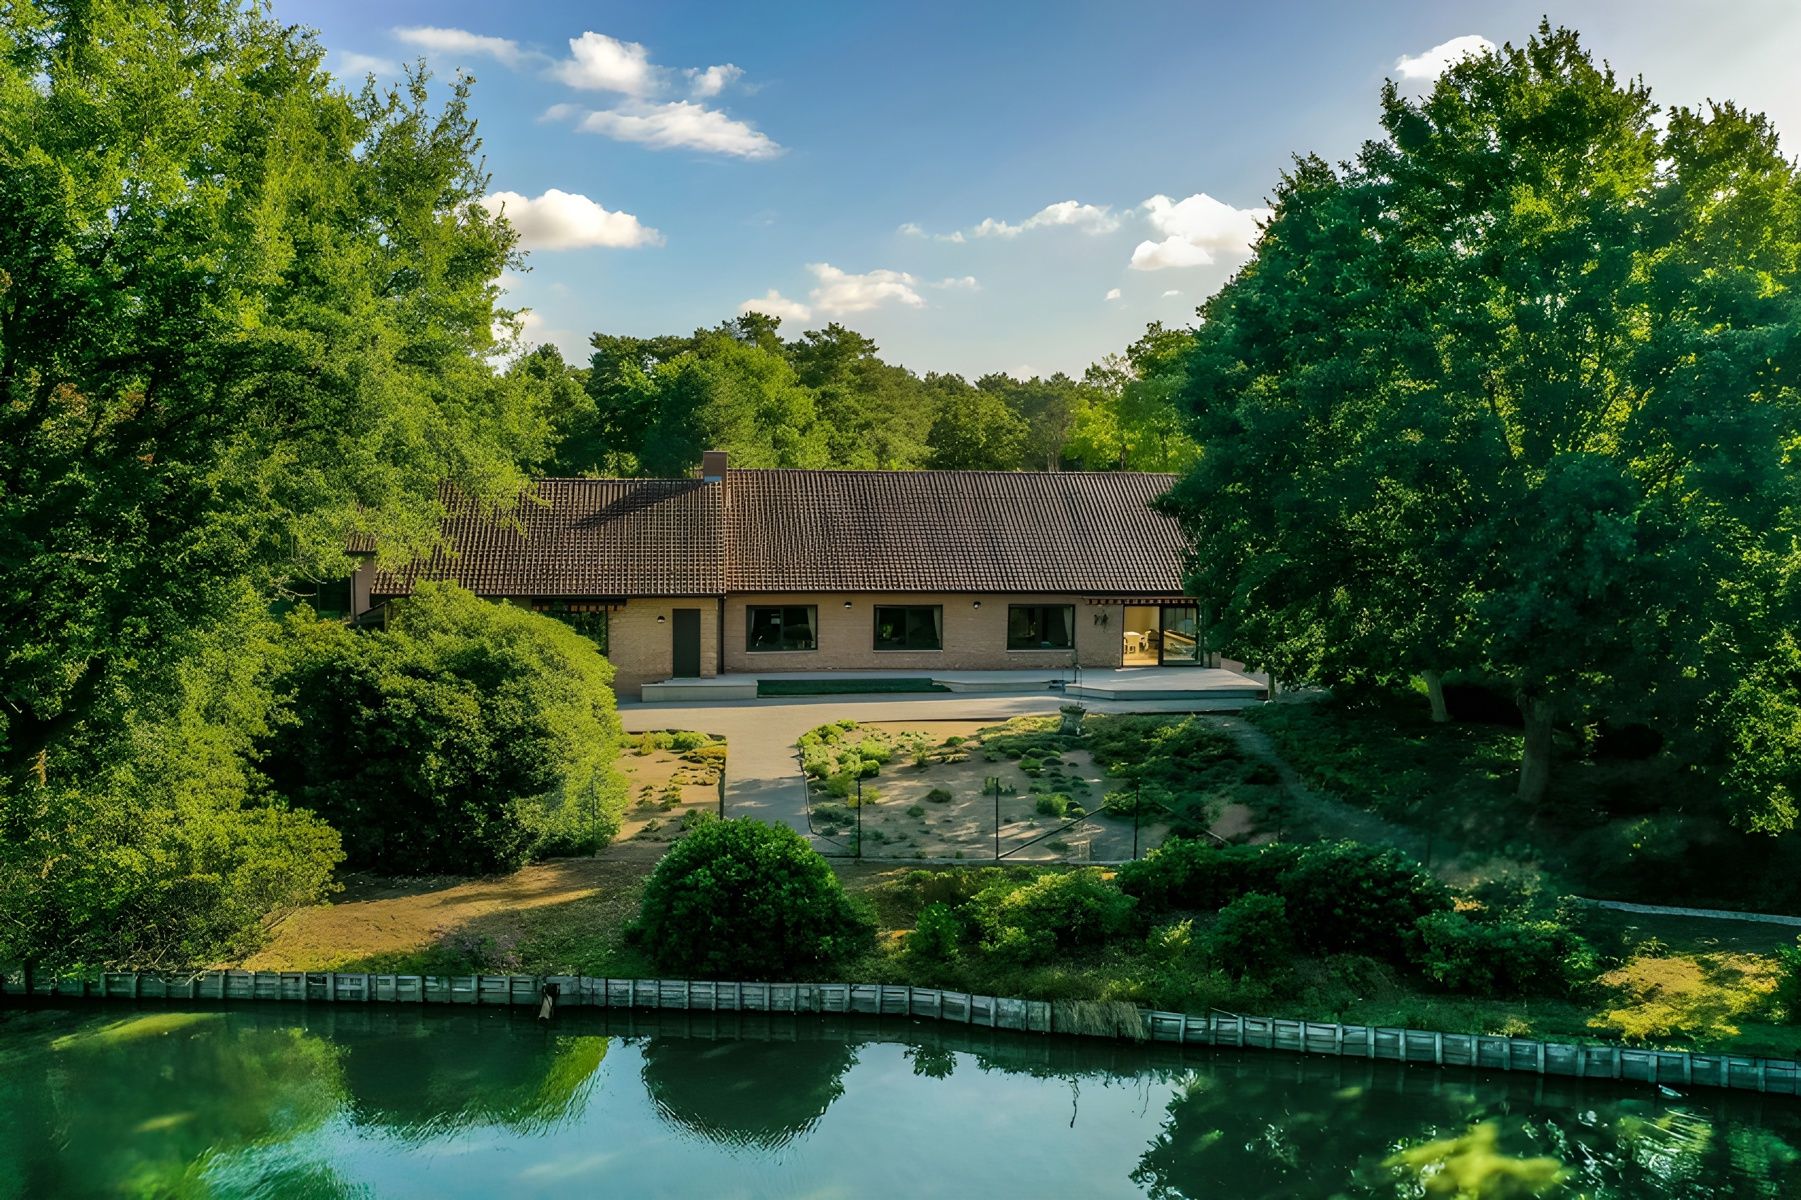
<point x="712" y="466"/>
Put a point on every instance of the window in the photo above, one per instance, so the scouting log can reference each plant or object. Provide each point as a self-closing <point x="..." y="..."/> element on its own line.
<point x="589" y="620"/>
<point x="789" y="627"/>
<point x="913" y="627"/>
<point x="1041" y="627"/>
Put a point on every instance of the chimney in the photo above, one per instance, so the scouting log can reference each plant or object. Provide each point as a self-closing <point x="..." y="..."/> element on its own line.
<point x="712" y="466"/>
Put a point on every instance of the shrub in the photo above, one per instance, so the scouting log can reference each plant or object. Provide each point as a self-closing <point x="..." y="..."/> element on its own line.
<point x="1345" y="897"/>
<point x="1502" y="956"/>
<point x="1172" y="941"/>
<point x="684" y="740"/>
<point x="1054" y="911"/>
<point x="694" y="818"/>
<point x="467" y="736"/>
<point x="1251" y="934"/>
<point x="938" y="796"/>
<point x="1190" y="873"/>
<point x="1054" y="805"/>
<point x="1788" y="982"/>
<point x="742" y="898"/>
<point x="916" y="810"/>
<point x="937" y="934"/>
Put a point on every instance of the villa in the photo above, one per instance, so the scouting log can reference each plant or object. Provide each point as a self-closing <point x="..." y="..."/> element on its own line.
<point x="766" y="571"/>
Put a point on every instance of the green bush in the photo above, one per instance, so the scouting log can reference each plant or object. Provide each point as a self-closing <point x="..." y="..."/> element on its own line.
<point x="1251" y="935"/>
<point x="1027" y="921"/>
<point x="1346" y="897"/>
<point x="1054" y="805"/>
<point x="466" y="736"/>
<point x="1788" y="982"/>
<point x="937" y="934"/>
<point x="1191" y="873"/>
<point x="916" y="810"/>
<point x="744" y="899"/>
<point x="938" y="796"/>
<point x="1502" y="956"/>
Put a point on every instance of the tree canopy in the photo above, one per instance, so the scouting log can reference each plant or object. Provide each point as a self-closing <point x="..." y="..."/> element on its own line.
<point x="1513" y="393"/>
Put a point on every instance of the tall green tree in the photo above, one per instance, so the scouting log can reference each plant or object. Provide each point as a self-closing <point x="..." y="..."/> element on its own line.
<point x="243" y="315"/>
<point x="974" y="428"/>
<point x="1513" y="393"/>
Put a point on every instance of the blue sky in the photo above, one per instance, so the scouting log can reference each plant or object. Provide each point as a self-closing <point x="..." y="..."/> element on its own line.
<point x="844" y="157"/>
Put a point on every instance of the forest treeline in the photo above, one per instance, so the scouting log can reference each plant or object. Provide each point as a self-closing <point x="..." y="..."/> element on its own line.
<point x="650" y="406"/>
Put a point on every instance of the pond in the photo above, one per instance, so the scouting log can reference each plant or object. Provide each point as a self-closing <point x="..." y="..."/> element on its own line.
<point x="286" y="1101"/>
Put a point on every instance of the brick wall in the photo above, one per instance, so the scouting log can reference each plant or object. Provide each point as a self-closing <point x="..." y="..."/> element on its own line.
<point x="975" y="639"/>
<point x="643" y="651"/>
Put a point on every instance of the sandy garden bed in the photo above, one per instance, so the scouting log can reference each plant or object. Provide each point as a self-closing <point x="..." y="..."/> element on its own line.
<point x="673" y="775"/>
<point x="928" y="791"/>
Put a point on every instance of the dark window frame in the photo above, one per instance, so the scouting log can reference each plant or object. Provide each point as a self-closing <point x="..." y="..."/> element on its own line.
<point x="750" y="626"/>
<point x="934" y="622"/>
<point x="1069" y="625"/>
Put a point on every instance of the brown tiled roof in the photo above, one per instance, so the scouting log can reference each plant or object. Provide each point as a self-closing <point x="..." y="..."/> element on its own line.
<point x="582" y="537"/>
<point x="833" y="531"/>
<point x="976" y="531"/>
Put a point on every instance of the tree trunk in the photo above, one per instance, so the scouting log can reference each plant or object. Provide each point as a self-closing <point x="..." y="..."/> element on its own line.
<point x="1535" y="763"/>
<point x="1435" y="692"/>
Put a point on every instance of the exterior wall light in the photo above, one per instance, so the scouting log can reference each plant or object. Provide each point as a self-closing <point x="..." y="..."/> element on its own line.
<point x="978" y="604"/>
<point x="847" y="604"/>
<point x="661" y="618"/>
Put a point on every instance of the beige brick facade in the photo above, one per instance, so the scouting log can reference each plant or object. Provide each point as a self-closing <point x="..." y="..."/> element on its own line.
<point x="975" y="634"/>
<point x="642" y="649"/>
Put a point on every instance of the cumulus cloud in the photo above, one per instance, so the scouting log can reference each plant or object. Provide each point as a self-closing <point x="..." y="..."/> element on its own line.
<point x="1426" y="67"/>
<point x="1196" y="231"/>
<point x="1172" y="292"/>
<point x="600" y="63"/>
<point x="773" y="303"/>
<point x="559" y="220"/>
<point x="841" y="292"/>
<point x="1112" y="294"/>
<point x="349" y="62"/>
<point x="1090" y="218"/>
<point x="681" y="124"/>
<point x="439" y="40"/>
<point x="712" y="80"/>
<point x="965" y="283"/>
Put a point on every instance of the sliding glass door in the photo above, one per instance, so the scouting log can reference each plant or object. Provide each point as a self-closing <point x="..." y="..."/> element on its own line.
<point x="1180" y="643"/>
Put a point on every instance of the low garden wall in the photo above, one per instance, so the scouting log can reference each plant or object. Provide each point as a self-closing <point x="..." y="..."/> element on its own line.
<point x="1586" y="1061"/>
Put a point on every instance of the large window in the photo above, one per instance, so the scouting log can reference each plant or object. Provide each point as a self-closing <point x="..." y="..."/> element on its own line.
<point x="1041" y="627"/>
<point x="909" y="627"/>
<point x="786" y="627"/>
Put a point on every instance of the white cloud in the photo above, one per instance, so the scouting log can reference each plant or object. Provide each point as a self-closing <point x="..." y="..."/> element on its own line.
<point x="1195" y="230"/>
<point x="559" y="112"/>
<point x="560" y="220"/>
<point x="1427" y="67"/>
<point x="1090" y="218"/>
<point x="774" y="304"/>
<point x="712" y="80"/>
<point x="965" y="283"/>
<point x="682" y="123"/>
<point x="351" y="63"/>
<point x="600" y="63"/>
<point x="1172" y="292"/>
<point x="461" y="41"/>
<point x="841" y="292"/>
<point x="1112" y="294"/>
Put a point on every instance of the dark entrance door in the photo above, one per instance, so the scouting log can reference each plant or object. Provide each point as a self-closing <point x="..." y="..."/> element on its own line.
<point x="687" y="643"/>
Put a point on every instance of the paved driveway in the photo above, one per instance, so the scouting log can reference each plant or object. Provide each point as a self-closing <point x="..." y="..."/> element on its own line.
<point x="762" y="772"/>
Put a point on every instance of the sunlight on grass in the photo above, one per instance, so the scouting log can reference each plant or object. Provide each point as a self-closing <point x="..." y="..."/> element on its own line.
<point x="130" y="1029"/>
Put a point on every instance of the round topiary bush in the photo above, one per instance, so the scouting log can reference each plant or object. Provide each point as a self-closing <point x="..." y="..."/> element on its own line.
<point x="748" y="900"/>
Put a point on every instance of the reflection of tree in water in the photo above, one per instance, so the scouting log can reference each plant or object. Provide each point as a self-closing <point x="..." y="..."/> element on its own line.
<point x="746" y="1093"/>
<point x="154" y="1104"/>
<point x="451" y="1072"/>
<point x="933" y="1062"/>
<point x="1270" y="1134"/>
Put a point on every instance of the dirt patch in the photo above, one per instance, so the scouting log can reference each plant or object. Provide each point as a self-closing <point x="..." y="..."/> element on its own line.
<point x="376" y="919"/>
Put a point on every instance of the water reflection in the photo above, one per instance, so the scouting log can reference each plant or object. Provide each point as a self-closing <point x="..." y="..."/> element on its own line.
<point x="347" y="1101"/>
<point x="761" y="1094"/>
